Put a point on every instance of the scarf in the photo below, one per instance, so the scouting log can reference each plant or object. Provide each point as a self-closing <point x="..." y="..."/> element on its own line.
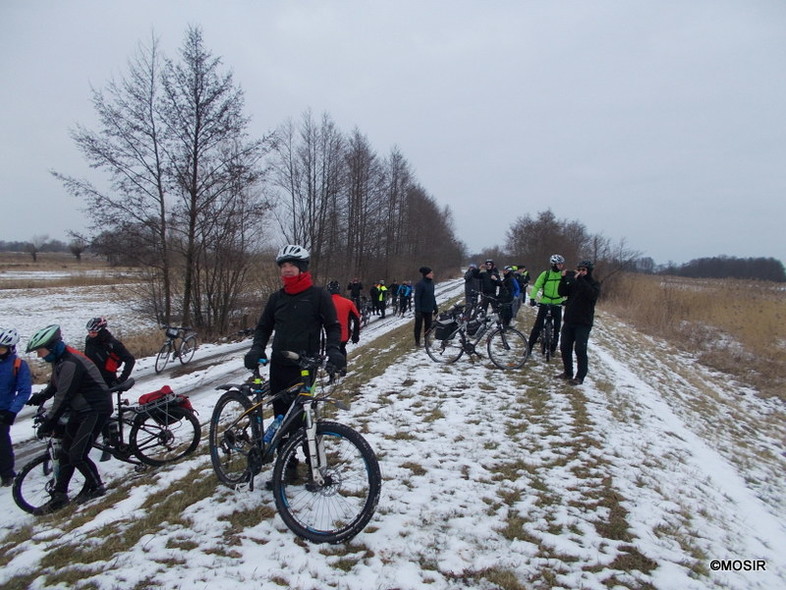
<point x="298" y="284"/>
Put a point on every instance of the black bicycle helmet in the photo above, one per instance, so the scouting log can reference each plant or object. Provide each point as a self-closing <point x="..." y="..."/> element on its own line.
<point x="333" y="287"/>
<point x="96" y="324"/>
<point x="45" y="338"/>
<point x="586" y="264"/>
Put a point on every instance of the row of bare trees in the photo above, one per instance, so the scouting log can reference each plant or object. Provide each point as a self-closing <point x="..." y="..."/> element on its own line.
<point x="358" y="213"/>
<point x="534" y="239"/>
<point x="190" y="194"/>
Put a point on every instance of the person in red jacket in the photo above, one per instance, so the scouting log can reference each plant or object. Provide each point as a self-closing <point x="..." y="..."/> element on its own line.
<point x="348" y="316"/>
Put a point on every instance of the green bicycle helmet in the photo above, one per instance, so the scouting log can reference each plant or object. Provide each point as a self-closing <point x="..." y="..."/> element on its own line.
<point x="45" y="338"/>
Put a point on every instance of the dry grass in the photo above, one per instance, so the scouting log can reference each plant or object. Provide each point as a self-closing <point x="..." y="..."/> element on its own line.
<point x="735" y="326"/>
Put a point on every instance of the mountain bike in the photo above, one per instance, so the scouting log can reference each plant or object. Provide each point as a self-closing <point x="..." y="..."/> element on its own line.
<point x="548" y="332"/>
<point x="328" y="499"/>
<point x="160" y="432"/>
<point x="461" y="329"/>
<point x="171" y="349"/>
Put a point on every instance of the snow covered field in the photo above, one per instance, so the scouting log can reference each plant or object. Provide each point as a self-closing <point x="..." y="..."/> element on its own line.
<point x="653" y="473"/>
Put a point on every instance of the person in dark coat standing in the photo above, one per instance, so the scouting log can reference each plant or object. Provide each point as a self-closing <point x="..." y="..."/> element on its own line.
<point x="107" y="352"/>
<point x="582" y="291"/>
<point x="295" y="316"/>
<point x="425" y="303"/>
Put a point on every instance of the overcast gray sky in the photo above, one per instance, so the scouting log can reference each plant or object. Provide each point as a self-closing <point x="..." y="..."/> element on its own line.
<point x="660" y="122"/>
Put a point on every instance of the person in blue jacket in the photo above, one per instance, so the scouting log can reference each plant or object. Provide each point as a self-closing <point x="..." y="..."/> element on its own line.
<point x="15" y="386"/>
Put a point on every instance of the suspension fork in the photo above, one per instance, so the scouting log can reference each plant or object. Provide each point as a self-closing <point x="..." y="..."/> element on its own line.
<point x="316" y="453"/>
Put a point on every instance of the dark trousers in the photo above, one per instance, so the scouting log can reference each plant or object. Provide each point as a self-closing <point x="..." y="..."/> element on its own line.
<point x="6" y="451"/>
<point x="575" y="337"/>
<point x="80" y="433"/>
<point x="422" y="322"/>
<point x="556" y="313"/>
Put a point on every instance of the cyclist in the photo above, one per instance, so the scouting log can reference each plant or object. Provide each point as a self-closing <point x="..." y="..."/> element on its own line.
<point x="348" y="316"/>
<point x="471" y="284"/>
<point x="107" y="352"/>
<point x="405" y="297"/>
<point x="509" y="292"/>
<point x="425" y="303"/>
<point x="489" y="282"/>
<point x="15" y="386"/>
<point x="355" y="289"/>
<point x="82" y="401"/>
<point x="547" y="285"/>
<point x="295" y="316"/>
<point x="582" y="291"/>
<point x="382" y="295"/>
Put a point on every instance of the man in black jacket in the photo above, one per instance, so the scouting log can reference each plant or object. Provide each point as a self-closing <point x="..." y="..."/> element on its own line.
<point x="425" y="303"/>
<point x="582" y="291"/>
<point x="297" y="314"/>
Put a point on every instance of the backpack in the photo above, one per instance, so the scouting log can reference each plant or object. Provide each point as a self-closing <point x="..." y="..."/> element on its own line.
<point x="17" y="364"/>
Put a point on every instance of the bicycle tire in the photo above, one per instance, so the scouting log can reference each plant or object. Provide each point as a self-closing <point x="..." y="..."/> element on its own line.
<point x="35" y="482"/>
<point x="187" y="349"/>
<point x="232" y="437"/>
<point x="164" y="436"/>
<point x="338" y="511"/>
<point x="163" y="357"/>
<point x="508" y="348"/>
<point x="443" y="351"/>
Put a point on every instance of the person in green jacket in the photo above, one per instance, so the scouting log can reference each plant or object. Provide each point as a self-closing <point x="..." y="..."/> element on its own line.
<point x="547" y="285"/>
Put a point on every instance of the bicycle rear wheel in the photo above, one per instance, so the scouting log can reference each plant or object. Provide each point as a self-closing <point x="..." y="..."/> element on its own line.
<point x="163" y="356"/>
<point x="35" y="483"/>
<point x="187" y="349"/>
<point x="232" y="438"/>
<point x="164" y="435"/>
<point x="443" y="351"/>
<point x="337" y="510"/>
<point x="508" y="348"/>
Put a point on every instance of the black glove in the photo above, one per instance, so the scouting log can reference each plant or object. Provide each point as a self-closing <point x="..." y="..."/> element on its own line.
<point x="7" y="417"/>
<point x="336" y="359"/>
<point x="37" y="399"/>
<point x="532" y="303"/>
<point x="251" y="360"/>
<point x="46" y="428"/>
<point x="355" y="338"/>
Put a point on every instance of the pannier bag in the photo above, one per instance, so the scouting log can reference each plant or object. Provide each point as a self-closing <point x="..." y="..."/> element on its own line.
<point x="158" y="403"/>
<point x="445" y="327"/>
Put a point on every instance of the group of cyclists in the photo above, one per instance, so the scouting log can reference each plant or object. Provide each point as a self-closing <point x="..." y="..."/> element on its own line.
<point x="299" y="317"/>
<point x="81" y="402"/>
<point x="380" y="296"/>
<point x="554" y="289"/>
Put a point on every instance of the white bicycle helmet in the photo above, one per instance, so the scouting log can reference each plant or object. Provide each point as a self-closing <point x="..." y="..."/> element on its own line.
<point x="556" y="259"/>
<point x="8" y="337"/>
<point x="292" y="253"/>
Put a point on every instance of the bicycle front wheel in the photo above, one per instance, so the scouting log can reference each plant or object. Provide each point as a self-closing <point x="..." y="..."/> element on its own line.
<point x="35" y="483"/>
<point x="232" y="438"/>
<point x="187" y="349"/>
<point x="443" y="351"/>
<point x="508" y="348"/>
<point x="163" y="356"/>
<point x="339" y="508"/>
<point x="164" y="435"/>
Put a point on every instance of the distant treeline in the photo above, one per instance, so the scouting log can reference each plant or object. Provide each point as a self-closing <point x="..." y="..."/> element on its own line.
<point x="45" y="246"/>
<point x="719" y="267"/>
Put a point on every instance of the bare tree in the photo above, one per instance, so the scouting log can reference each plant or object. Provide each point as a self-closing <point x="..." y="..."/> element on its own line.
<point x="130" y="147"/>
<point x="211" y="154"/>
